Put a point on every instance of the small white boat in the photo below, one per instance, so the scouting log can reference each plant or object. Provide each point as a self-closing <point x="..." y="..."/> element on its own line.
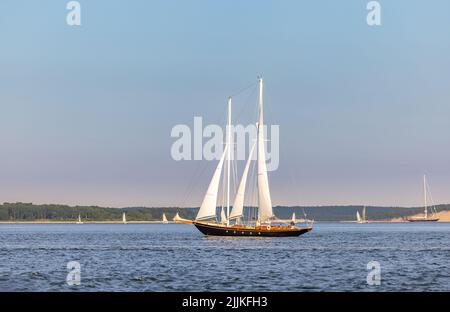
<point x="164" y="219"/>
<point x="362" y="219"/>
<point x="79" y="220"/>
<point x="124" y="218"/>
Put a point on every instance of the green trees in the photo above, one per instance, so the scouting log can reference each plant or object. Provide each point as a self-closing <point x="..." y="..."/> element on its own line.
<point x="31" y="212"/>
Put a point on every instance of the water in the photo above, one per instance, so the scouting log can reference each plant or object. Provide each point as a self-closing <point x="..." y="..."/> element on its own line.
<point x="176" y="257"/>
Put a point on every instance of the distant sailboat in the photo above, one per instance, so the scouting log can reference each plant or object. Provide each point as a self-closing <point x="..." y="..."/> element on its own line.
<point x="362" y="219"/>
<point x="124" y="218"/>
<point x="232" y="222"/>
<point x="426" y="216"/>
<point x="79" y="220"/>
<point x="179" y="219"/>
<point x="164" y="219"/>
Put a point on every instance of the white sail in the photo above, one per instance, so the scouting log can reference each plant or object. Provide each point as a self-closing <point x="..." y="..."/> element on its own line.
<point x="223" y="217"/>
<point x="177" y="217"/>
<point x="208" y="208"/>
<point x="293" y="217"/>
<point x="364" y="214"/>
<point x="358" y="217"/>
<point x="265" y="212"/>
<point x="124" y="218"/>
<point x="238" y="206"/>
<point x="164" y="218"/>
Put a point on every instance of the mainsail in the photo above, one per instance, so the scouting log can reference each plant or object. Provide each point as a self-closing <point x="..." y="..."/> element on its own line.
<point x="358" y="217"/>
<point x="208" y="207"/>
<point x="265" y="212"/>
<point x="238" y="206"/>
<point x="164" y="218"/>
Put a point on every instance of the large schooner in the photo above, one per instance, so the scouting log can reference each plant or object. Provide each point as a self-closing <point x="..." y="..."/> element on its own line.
<point x="232" y="221"/>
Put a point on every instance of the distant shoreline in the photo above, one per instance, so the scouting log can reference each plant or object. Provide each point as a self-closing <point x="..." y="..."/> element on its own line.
<point x="53" y="213"/>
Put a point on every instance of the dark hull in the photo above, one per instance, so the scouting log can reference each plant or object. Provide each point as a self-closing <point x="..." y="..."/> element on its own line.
<point x="422" y="220"/>
<point x="210" y="229"/>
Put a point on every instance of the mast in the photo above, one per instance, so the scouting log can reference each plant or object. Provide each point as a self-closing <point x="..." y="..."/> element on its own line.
<point x="425" y="195"/>
<point x="228" y="159"/>
<point x="265" y="212"/>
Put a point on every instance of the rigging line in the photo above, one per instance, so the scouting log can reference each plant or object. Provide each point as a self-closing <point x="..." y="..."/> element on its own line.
<point x="201" y="167"/>
<point x="244" y="89"/>
<point x="247" y="100"/>
<point x="294" y="182"/>
<point x="432" y="207"/>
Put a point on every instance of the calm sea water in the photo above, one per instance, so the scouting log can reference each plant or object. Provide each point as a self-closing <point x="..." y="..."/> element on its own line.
<point x="176" y="257"/>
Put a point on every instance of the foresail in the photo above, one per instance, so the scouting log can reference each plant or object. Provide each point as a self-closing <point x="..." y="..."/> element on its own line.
<point x="238" y="206"/>
<point x="208" y="207"/>
<point x="265" y="212"/>
<point x="223" y="217"/>
<point x="358" y="217"/>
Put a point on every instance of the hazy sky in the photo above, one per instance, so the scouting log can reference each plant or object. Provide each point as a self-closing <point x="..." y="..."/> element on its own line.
<point x="86" y="112"/>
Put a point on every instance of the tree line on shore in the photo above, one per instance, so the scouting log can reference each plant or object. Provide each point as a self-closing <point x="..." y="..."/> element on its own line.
<point x="52" y="212"/>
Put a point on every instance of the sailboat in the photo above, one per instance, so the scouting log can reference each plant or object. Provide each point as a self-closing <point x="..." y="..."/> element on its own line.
<point x="164" y="219"/>
<point x="232" y="221"/>
<point x="427" y="217"/>
<point x="124" y="218"/>
<point x="79" y="219"/>
<point x="362" y="219"/>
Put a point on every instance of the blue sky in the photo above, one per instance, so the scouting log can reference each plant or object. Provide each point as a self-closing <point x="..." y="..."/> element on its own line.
<point x="86" y="112"/>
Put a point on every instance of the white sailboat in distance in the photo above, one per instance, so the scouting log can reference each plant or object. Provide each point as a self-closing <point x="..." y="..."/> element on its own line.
<point x="362" y="219"/>
<point x="164" y="219"/>
<point x="427" y="217"/>
<point x="124" y="218"/>
<point x="79" y="219"/>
